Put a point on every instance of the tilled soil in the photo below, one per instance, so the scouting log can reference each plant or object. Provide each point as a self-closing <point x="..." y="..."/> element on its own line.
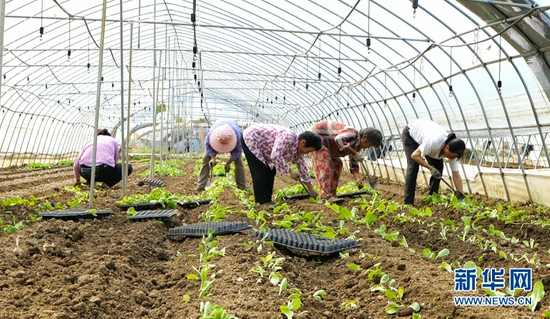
<point x="114" y="268"/>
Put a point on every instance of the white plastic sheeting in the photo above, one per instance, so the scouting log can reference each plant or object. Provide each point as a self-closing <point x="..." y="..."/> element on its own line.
<point x="479" y="68"/>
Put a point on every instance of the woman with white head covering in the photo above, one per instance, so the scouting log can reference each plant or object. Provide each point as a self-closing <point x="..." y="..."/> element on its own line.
<point x="223" y="137"/>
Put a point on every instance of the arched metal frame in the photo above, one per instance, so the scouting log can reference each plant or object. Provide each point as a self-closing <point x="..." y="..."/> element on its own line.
<point x="254" y="59"/>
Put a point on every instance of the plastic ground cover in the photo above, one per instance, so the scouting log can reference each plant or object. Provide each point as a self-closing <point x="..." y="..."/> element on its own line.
<point x="202" y="229"/>
<point x="306" y="242"/>
<point x="75" y="214"/>
<point x="153" y="214"/>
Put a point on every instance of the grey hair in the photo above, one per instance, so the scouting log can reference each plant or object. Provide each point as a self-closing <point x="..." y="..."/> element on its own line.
<point x="373" y="135"/>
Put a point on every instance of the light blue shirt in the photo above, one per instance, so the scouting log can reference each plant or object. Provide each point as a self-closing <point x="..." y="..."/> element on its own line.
<point x="237" y="151"/>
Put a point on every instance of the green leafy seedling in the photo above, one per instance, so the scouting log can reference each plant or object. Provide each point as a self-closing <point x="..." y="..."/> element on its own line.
<point x="536" y="295"/>
<point x="354" y="267"/>
<point x="319" y="294"/>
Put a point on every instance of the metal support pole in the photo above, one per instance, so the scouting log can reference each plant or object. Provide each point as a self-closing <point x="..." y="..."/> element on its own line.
<point x="123" y="137"/>
<point x="125" y="148"/>
<point x="98" y="100"/>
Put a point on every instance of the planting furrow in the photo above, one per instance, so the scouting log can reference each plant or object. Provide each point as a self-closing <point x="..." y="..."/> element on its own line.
<point x="25" y="174"/>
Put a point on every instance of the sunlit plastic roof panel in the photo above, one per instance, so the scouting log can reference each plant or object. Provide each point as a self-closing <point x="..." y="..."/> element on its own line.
<point x="271" y="61"/>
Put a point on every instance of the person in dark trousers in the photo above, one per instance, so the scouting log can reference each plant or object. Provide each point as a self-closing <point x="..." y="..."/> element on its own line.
<point x="107" y="170"/>
<point x="169" y="143"/>
<point x="426" y="143"/>
<point x="187" y="145"/>
<point x="223" y="137"/>
<point x="270" y="148"/>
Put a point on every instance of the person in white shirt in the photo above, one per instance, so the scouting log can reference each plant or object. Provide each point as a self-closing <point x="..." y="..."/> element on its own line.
<point x="426" y="143"/>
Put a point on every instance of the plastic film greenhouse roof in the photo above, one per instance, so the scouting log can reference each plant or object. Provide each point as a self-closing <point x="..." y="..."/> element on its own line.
<point x="474" y="66"/>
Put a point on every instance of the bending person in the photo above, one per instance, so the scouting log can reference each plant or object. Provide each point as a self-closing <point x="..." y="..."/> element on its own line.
<point x="340" y="140"/>
<point x="425" y="138"/>
<point x="269" y="148"/>
<point x="223" y="137"/>
<point x="107" y="169"/>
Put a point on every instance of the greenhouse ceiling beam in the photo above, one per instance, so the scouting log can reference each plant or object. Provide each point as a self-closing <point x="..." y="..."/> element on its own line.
<point x="186" y="51"/>
<point x="210" y="26"/>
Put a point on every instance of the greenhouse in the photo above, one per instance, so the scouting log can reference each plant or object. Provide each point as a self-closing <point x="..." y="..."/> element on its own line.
<point x="157" y="75"/>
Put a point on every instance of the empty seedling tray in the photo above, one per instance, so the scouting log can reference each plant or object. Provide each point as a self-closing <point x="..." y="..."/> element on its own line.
<point x="152" y="182"/>
<point x="75" y="214"/>
<point x="306" y="242"/>
<point x="194" y="204"/>
<point x="139" y="207"/>
<point x="202" y="229"/>
<point x="355" y="194"/>
<point x="153" y="214"/>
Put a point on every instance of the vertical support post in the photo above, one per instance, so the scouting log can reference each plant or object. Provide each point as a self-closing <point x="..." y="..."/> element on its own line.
<point x="123" y="137"/>
<point x="155" y="95"/>
<point x="125" y="148"/>
<point x="98" y="100"/>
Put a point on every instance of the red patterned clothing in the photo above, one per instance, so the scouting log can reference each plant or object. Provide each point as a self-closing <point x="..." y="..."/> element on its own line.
<point x="338" y="138"/>
<point x="327" y="170"/>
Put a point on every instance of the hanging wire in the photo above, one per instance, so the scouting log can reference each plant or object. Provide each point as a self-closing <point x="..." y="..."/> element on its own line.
<point x="414" y="82"/>
<point x="451" y="74"/>
<point x="365" y="94"/>
<point x="294" y="80"/>
<point x="499" y="83"/>
<point x="368" y="27"/>
<point x="41" y="30"/>
<point x="307" y="71"/>
<point x="415" y="6"/>
<point x="385" y="88"/>
<point x="88" y="65"/>
<point x="339" y="51"/>
<point x="69" y="51"/>
<point x="284" y="91"/>
<point x="319" y="74"/>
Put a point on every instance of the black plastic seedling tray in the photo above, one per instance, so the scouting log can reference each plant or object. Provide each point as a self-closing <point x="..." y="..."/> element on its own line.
<point x="152" y="182"/>
<point x="194" y="204"/>
<point x="140" y="207"/>
<point x="163" y="214"/>
<point x="306" y="242"/>
<point x="297" y="196"/>
<point x="202" y="229"/>
<point x="355" y="194"/>
<point x="75" y="214"/>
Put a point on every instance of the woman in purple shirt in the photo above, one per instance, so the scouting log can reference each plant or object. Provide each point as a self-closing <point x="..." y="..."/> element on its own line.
<point x="269" y="148"/>
<point x="107" y="169"/>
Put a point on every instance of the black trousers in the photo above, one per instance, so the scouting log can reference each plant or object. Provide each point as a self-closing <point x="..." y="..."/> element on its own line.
<point x="409" y="146"/>
<point x="263" y="177"/>
<point x="104" y="173"/>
